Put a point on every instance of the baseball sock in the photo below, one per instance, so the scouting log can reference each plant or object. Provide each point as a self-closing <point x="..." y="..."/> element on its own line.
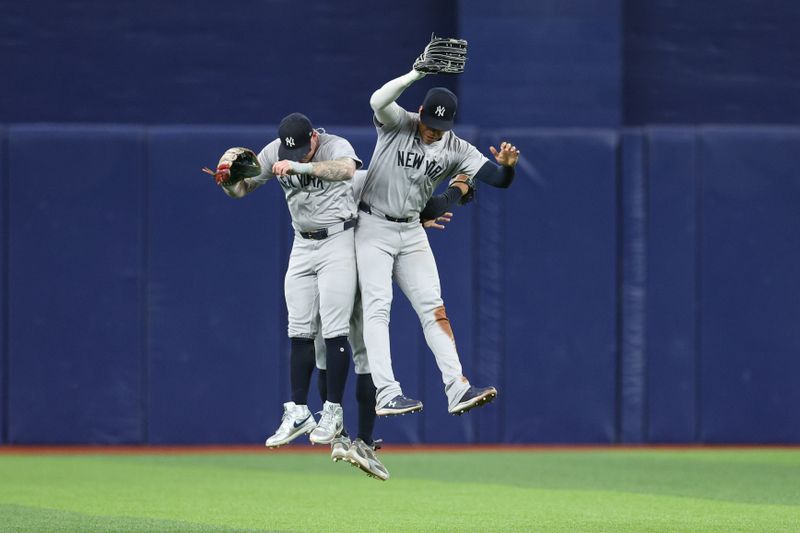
<point x="365" y="394"/>
<point x="337" y="353"/>
<point x="302" y="364"/>
<point x="322" y="384"/>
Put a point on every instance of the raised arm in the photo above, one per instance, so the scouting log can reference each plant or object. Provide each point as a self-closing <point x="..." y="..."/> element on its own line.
<point x="502" y="174"/>
<point x="382" y="102"/>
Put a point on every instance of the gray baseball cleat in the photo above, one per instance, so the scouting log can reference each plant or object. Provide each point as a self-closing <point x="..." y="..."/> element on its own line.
<point x="399" y="405"/>
<point x="339" y="447"/>
<point x="330" y="425"/>
<point x="363" y="456"/>
<point x="297" y="420"/>
<point x="474" y="397"/>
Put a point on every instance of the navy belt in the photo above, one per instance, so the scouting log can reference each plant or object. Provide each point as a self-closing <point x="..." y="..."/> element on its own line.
<point x="324" y="233"/>
<point x="369" y="210"/>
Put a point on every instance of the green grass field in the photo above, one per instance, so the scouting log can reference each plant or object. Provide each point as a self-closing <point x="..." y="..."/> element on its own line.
<point x="528" y="490"/>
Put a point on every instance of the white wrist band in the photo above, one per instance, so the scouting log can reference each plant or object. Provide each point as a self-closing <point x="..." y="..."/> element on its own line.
<point x="302" y="168"/>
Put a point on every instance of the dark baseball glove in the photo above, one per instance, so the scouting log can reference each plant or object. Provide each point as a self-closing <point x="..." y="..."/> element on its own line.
<point x="442" y="56"/>
<point x="471" y="184"/>
<point x="235" y="165"/>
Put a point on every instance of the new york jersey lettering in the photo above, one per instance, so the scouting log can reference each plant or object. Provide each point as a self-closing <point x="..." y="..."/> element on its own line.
<point x="432" y="169"/>
<point x="409" y="159"/>
<point x="301" y="181"/>
<point x="415" y="160"/>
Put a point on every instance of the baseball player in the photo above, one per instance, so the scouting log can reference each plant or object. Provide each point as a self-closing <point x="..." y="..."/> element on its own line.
<point x="361" y="450"/>
<point x="314" y="170"/>
<point x="413" y="154"/>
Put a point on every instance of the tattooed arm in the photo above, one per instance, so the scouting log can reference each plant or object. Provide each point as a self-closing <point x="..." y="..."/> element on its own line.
<point x="337" y="170"/>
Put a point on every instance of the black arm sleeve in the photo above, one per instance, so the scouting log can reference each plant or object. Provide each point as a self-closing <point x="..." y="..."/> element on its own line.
<point x="439" y="204"/>
<point x="495" y="175"/>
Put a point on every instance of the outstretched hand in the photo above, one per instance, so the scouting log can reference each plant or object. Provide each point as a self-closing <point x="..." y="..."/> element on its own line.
<point x="507" y="156"/>
<point x="438" y="222"/>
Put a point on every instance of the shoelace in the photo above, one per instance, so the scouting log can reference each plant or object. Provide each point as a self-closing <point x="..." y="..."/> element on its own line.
<point x="326" y="422"/>
<point x="366" y="449"/>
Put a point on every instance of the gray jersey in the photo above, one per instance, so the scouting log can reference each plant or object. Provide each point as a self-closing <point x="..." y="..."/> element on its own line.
<point x="405" y="171"/>
<point x="359" y="178"/>
<point x="313" y="202"/>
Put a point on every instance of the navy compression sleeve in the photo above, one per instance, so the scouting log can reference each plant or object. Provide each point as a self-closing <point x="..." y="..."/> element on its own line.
<point x="496" y="175"/>
<point x="439" y="204"/>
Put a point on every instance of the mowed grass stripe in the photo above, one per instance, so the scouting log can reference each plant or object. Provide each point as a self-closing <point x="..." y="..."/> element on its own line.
<point x="21" y="519"/>
<point x="511" y="491"/>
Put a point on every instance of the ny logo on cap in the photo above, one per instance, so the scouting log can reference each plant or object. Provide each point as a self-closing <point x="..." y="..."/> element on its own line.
<point x="290" y="141"/>
<point x="439" y="111"/>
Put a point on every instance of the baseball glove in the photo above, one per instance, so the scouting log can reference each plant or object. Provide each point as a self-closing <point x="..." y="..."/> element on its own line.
<point x="235" y="165"/>
<point x="472" y="185"/>
<point x="442" y="56"/>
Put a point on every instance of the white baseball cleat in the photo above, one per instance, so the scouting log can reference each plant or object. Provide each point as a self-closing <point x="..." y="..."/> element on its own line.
<point x="330" y="425"/>
<point x="363" y="456"/>
<point x="297" y="420"/>
<point x="339" y="447"/>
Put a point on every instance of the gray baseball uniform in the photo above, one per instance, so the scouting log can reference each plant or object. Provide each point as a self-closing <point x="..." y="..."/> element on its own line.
<point x="321" y="277"/>
<point x="402" y="176"/>
<point x="356" y="336"/>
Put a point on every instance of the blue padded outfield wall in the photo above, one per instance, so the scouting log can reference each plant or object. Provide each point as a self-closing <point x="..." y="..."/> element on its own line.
<point x="542" y="63"/>
<point x="75" y="311"/>
<point x="638" y="283"/>
<point x="632" y="286"/>
<point x="725" y="61"/>
<point x="3" y="289"/>
<point x="586" y="63"/>
<point x="203" y="61"/>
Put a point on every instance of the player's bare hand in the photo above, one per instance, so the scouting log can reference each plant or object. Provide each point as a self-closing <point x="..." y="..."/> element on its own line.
<point x="438" y="222"/>
<point x="282" y="168"/>
<point x="507" y="156"/>
<point x="221" y="175"/>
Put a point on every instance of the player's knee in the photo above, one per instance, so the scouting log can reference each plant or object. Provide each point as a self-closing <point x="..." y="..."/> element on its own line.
<point x="428" y="306"/>
<point x="378" y="316"/>
<point x="438" y="318"/>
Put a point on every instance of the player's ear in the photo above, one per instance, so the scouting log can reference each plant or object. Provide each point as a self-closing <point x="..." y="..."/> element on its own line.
<point x="420" y="109"/>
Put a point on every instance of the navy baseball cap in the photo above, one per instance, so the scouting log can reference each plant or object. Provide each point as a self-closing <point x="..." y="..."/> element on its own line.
<point x="295" y="133"/>
<point x="439" y="109"/>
